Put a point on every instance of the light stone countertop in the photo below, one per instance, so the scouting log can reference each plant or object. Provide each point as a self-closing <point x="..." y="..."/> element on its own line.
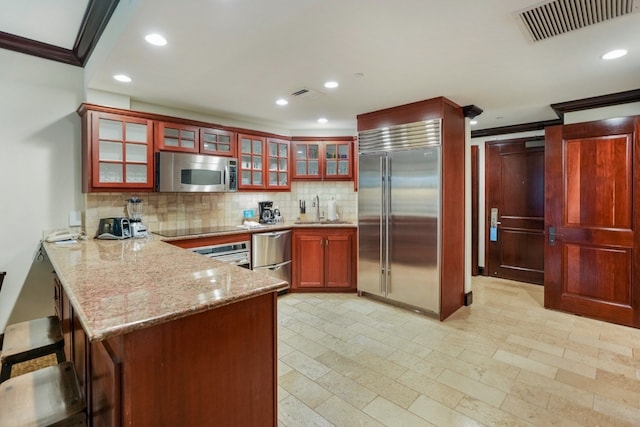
<point x="118" y="286"/>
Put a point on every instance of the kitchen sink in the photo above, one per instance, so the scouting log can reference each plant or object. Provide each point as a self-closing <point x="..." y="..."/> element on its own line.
<point x="322" y="222"/>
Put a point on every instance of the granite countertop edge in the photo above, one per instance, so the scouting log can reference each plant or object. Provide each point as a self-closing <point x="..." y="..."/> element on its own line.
<point x="117" y="287"/>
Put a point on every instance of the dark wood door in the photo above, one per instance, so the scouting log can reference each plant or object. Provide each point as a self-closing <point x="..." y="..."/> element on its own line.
<point x="339" y="259"/>
<point x="591" y="254"/>
<point x="514" y="173"/>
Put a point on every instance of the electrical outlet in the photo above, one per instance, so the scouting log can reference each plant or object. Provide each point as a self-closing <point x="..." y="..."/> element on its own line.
<point x="75" y="219"/>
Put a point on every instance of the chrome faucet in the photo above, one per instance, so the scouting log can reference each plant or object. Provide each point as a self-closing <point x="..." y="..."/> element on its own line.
<point x="316" y="202"/>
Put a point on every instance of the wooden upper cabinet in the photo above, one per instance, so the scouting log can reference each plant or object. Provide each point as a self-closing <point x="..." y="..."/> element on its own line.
<point x="117" y="152"/>
<point x="177" y="137"/>
<point x="323" y="160"/>
<point x="217" y="141"/>
<point x="263" y="163"/>
<point x="278" y="164"/>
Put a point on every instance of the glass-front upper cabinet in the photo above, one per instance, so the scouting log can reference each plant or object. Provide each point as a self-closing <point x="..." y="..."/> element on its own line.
<point x="338" y="162"/>
<point x="328" y="159"/>
<point x="279" y="176"/>
<point x="177" y="137"/>
<point x="250" y="161"/>
<point x="218" y="142"/>
<point x="121" y="152"/>
<point x="307" y="160"/>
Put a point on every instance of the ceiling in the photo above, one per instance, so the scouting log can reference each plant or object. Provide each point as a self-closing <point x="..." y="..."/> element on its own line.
<point x="234" y="58"/>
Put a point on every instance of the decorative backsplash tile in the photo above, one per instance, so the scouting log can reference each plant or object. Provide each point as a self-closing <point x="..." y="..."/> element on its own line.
<point x="168" y="211"/>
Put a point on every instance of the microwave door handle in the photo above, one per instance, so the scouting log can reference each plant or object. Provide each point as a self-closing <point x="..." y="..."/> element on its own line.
<point x="224" y="176"/>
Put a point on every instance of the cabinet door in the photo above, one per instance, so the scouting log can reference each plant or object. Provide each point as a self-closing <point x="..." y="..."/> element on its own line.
<point x="309" y="260"/>
<point x="250" y="162"/>
<point x="338" y="162"/>
<point x="122" y="152"/>
<point x="278" y="175"/>
<point x="339" y="260"/>
<point x="217" y="141"/>
<point x="177" y="137"/>
<point x="307" y="158"/>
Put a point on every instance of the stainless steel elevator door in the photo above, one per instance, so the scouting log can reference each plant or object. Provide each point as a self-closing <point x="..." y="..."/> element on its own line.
<point x="369" y="224"/>
<point x="414" y="214"/>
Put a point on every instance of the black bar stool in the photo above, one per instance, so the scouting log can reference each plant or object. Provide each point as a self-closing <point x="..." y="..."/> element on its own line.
<point x="29" y="340"/>
<point x="49" y="396"/>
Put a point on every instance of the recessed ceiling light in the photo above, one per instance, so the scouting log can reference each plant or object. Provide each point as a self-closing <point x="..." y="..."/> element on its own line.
<point x="331" y="85"/>
<point x="617" y="53"/>
<point x="122" y="78"/>
<point x="322" y="120"/>
<point x="155" y="39"/>
<point x="282" y="101"/>
<point x="473" y="122"/>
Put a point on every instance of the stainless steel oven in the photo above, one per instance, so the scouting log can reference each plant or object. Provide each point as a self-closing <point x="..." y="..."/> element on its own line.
<point x="236" y="253"/>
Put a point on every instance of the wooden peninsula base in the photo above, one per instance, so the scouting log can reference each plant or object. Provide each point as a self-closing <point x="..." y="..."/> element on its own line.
<point x="217" y="367"/>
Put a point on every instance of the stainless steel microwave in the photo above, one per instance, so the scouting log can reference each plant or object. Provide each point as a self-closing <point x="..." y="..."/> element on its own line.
<point x="187" y="172"/>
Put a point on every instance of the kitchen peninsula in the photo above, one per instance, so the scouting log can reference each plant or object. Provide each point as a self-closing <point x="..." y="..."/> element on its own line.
<point x="163" y="336"/>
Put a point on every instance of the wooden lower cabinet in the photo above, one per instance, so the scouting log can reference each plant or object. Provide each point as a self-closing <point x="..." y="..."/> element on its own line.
<point x="216" y="367"/>
<point x="324" y="259"/>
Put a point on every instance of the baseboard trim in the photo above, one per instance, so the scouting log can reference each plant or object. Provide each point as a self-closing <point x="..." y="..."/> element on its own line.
<point x="468" y="298"/>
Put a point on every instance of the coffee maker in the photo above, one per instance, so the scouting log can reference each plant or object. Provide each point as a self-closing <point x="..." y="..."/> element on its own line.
<point x="266" y="214"/>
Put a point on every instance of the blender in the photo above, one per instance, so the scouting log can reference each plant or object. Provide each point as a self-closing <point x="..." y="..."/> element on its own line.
<point x="134" y="208"/>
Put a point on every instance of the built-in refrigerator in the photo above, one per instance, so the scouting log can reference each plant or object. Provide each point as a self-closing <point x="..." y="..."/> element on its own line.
<point x="399" y="214"/>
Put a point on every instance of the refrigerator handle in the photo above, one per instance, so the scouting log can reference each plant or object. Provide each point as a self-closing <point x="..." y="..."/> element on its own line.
<point x="387" y="219"/>
<point x="380" y="222"/>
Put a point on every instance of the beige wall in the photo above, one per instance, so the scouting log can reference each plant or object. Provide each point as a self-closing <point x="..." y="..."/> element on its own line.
<point x="39" y="174"/>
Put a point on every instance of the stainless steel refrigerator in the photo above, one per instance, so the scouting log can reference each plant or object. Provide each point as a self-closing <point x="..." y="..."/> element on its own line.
<point x="399" y="215"/>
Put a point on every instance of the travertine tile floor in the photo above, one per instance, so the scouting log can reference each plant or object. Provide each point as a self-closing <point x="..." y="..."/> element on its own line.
<point x="504" y="360"/>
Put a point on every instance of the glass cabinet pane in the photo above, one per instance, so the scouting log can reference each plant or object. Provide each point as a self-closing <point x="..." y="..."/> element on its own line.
<point x="273" y="164"/>
<point x="314" y="151"/>
<point x="246" y="145"/>
<point x="136" y="153"/>
<point x="188" y="143"/>
<point x="330" y="152"/>
<point x="224" y="147"/>
<point x="136" y="132"/>
<point x="273" y="178"/>
<point x="283" y="151"/>
<point x="246" y="177"/>
<point x="257" y="178"/>
<point x="111" y="172"/>
<point x="246" y="162"/>
<point x="273" y="149"/>
<point x="331" y="168"/>
<point x="110" y="129"/>
<point x="110" y="151"/>
<point x="187" y="134"/>
<point x="314" y="167"/>
<point x="284" y="179"/>
<point x="210" y="137"/>
<point x="257" y="162"/>
<point x="301" y="167"/>
<point x="171" y="142"/>
<point x="343" y="151"/>
<point x="343" y="167"/>
<point x="301" y="152"/>
<point x="171" y="133"/>
<point x="226" y="139"/>
<point x="257" y="147"/>
<point x="136" y="173"/>
<point x="283" y="165"/>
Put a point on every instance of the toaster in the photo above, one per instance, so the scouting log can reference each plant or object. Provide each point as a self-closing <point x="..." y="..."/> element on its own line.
<point x="114" y="228"/>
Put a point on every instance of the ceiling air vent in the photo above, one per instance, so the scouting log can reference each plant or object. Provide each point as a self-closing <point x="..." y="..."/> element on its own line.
<point x="305" y="93"/>
<point x="557" y="17"/>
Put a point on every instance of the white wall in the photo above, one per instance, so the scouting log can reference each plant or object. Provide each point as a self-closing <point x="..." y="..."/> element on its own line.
<point x="39" y="174"/>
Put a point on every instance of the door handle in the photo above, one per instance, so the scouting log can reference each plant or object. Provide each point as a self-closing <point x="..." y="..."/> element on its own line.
<point x="552" y="236"/>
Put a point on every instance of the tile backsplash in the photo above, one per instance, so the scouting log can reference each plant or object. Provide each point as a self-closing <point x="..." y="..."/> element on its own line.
<point x="168" y="211"/>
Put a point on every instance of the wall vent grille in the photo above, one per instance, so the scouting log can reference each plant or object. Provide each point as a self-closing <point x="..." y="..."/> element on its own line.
<point x="557" y="17"/>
